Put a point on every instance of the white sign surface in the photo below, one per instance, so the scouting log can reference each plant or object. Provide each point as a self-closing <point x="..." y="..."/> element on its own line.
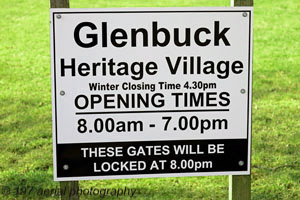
<point x="152" y="75"/>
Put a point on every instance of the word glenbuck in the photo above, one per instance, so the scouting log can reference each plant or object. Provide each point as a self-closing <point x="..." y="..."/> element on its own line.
<point x="203" y="36"/>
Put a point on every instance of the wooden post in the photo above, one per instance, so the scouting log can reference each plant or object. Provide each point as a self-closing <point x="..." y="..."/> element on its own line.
<point x="65" y="185"/>
<point x="59" y="4"/>
<point x="240" y="186"/>
<point x="241" y="2"/>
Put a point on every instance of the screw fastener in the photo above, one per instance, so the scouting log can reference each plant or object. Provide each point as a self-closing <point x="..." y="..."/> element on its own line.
<point x="241" y="163"/>
<point x="58" y="16"/>
<point x="62" y="93"/>
<point x="66" y="167"/>
<point x="245" y="14"/>
<point x="243" y="91"/>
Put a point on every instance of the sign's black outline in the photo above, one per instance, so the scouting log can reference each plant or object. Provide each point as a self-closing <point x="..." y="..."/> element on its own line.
<point x="188" y="11"/>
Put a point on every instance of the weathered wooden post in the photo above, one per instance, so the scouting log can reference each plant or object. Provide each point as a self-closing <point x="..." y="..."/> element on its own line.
<point x="69" y="185"/>
<point x="240" y="185"/>
<point x="242" y="2"/>
<point x="59" y="4"/>
<point x="65" y="185"/>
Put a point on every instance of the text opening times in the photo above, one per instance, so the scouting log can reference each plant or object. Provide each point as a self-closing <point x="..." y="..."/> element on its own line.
<point x="167" y="124"/>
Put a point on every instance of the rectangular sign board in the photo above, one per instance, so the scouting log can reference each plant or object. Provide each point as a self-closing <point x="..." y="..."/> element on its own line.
<point x="151" y="92"/>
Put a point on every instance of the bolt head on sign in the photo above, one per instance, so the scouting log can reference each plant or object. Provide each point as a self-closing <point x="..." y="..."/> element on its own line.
<point x="151" y="92"/>
<point x="66" y="167"/>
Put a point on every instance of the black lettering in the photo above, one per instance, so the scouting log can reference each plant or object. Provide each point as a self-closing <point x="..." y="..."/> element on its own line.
<point x="225" y="101"/>
<point x="104" y="34"/>
<point x="85" y="103"/>
<point x="155" y="36"/>
<point x="220" y="35"/>
<point x="94" y="38"/>
<point x="151" y="70"/>
<point x="138" y="72"/>
<point x="223" y="73"/>
<point x="134" y="33"/>
<point x="174" y="69"/>
<point x="197" y="37"/>
<point x="187" y="40"/>
<point x="237" y="67"/>
<point x="83" y="69"/>
<point x="118" y="34"/>
<point x="63" y="67"/>
<point x="210" y="97"/>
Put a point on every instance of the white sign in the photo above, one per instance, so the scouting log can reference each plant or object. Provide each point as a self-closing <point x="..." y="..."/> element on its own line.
<point x="151" y="92"/>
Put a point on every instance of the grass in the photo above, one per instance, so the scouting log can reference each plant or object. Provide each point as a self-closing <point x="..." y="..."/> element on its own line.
<point x="25" y="104"/>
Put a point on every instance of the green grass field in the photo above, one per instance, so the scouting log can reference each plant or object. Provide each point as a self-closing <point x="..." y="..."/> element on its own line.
<point x="25" y="104"/>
